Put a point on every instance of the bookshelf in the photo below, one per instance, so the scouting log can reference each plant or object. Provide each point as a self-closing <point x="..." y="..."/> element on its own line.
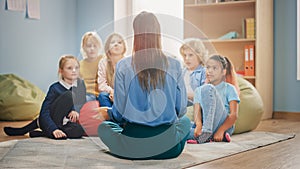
<point x="217" y="19"/>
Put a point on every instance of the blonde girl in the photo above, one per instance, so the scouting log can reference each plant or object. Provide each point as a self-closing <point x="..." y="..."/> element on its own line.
<point x="215" y="104"/>
<point x="194" y="55"/>
<point x="115" y="48"/>
<point x="59" y="112"/>
<point x="91" y="48"/>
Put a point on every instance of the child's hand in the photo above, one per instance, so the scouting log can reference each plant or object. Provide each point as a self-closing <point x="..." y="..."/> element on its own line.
<point x="59" y="134"/>
<point x="102" y="114"/>
<point x="197" y="131"/>
<point x="73" y="116"/>
<point x="218" y="136"/>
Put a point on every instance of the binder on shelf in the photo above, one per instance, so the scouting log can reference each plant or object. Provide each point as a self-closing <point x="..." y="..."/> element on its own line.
<point x="246" y="62"/>
<point x="251" y="60"/>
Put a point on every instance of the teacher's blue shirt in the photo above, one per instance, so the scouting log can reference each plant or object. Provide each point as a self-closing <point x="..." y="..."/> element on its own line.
<point x="163" y="105"/>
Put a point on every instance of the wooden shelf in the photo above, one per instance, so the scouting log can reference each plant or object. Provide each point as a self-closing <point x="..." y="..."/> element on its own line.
<point x="232" y="40"/>
<point x="222" y="4"/>
<point x="249" y="77"/>
<point x="215" y="20"/>
<point x="212" y="21"/>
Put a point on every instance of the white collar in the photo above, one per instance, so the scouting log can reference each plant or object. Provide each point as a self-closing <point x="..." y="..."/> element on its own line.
<point x="66" y="85"/>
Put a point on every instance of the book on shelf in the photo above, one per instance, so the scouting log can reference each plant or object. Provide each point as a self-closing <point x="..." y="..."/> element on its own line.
<point x="249" y="28"/>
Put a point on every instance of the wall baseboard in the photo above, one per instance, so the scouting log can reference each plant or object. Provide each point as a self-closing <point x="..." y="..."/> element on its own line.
<point x="287" y="115"/>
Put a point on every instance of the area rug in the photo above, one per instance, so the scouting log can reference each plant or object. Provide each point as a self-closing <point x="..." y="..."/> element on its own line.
<point x="89" y="152"/>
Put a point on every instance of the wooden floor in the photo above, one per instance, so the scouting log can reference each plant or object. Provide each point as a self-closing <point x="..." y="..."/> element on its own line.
<point x="4" y="137"/>
<point x="284" y="155"/>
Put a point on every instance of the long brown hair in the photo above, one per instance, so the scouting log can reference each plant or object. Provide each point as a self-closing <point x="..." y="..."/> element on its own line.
<point x="110" y="72"/>
<point x="148" y="60"/>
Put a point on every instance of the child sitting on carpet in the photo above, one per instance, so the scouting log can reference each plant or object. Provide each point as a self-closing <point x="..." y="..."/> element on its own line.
<point x="215" y="104"/>
<point x="194" y="56"/>
<point x="115" y="48"/>
<point x="59" y="112"/>
<point x="91" y="45"/>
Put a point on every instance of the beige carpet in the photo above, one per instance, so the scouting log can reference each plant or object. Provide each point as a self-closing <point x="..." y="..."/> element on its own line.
<point x="90" y="152"/>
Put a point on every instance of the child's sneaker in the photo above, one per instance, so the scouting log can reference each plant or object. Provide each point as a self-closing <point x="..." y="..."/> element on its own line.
<point x="226" y="137"/>
<point x="192" y="141"/>
<point x="204" y="137"/>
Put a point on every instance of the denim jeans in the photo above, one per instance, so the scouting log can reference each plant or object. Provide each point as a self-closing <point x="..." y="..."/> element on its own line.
<point x="90" y="97"/>
<point x="104" y="100"/>
<point x="213" y="111"/>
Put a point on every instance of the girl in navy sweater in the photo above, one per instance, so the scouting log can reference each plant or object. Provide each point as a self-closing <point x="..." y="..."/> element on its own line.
<point x="60" y="109"/>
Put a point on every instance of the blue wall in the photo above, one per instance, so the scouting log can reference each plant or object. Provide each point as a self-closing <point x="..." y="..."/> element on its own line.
<point x="97" y="15"/>
<point x="286" y="86"/>
<point x="31" y="48"/>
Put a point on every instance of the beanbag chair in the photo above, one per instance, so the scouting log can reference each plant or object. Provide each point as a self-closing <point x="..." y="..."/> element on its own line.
<point x="19" y="99"/>
<point x="87" y="120"/>
<point x="190" y="112"/>
<point x="250" y="107"/>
